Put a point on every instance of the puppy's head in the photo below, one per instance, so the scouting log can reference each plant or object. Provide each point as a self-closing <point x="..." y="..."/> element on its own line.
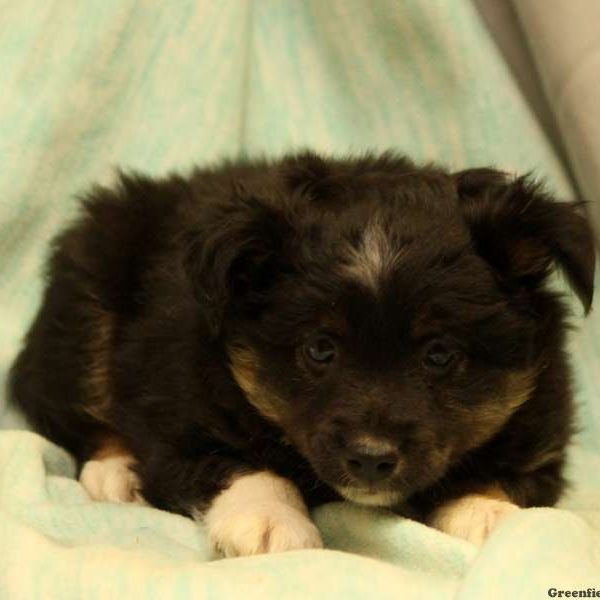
<point x="388" y="322"/>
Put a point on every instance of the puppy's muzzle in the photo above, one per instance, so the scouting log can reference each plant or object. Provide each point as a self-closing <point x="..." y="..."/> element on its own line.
<point x="369" y="460"/>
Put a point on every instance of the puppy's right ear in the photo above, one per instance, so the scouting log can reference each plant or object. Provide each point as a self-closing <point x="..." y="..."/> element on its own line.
<point x="234" y="256"/>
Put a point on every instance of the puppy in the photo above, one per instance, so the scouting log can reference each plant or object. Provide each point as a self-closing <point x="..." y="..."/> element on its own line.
<point x="262" y="337"/>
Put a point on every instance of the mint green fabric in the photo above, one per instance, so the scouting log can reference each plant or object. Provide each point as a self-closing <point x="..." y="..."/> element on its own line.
<point x="564" y="38"/>
<point x="157" y="86"/>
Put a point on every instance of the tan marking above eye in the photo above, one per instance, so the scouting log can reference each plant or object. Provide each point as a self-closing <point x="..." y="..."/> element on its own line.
<point x="333" y="322"/>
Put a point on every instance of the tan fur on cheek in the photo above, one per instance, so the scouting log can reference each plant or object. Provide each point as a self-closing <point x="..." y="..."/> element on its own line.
<point x="519" y="386"/>
<point x="490" y="418"/>
<point x="245" y="367"/>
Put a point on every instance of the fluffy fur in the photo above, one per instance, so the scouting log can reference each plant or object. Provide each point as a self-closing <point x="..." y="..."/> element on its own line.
<point x="362" y="328"/>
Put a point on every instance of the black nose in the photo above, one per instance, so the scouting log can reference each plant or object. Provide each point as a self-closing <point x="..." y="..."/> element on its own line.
<point x="370" y="467"/>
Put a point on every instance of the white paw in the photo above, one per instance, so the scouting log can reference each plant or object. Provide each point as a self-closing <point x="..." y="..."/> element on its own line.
<point x="260" y="513"/>
<point x="262" y="529"/>
<point x="471" y="517"/>
<point x="111" y="480"/>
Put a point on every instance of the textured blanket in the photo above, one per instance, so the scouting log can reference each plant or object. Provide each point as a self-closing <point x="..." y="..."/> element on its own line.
<point x="157" y="86"/>
<point x="564" y="39"/>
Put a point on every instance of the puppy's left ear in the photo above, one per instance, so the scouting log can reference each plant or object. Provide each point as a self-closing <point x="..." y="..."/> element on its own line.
<point x="523" y="232"/>
<point x="234" y="256"/>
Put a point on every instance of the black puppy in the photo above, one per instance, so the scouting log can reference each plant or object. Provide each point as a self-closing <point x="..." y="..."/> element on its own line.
<point x="266" y="336"/>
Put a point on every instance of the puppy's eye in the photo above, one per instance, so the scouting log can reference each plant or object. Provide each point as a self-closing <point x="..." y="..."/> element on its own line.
<point x="321" y="350"/>
<point x="438" y="357"/>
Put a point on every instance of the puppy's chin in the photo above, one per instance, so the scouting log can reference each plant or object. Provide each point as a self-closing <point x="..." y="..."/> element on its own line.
<point x="381" y="498"/>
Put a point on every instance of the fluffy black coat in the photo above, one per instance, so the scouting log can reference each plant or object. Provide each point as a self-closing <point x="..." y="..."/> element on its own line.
<point x="266" y="315"/>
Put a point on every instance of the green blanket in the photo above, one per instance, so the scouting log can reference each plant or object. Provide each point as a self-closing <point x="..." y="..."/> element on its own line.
<point x="85" y="86"/>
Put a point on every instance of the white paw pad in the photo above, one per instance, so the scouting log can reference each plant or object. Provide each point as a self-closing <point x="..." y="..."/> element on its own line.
<point x="260" y="513"/>
<point x="111" y="480"/>
<point x="471" y="517"/>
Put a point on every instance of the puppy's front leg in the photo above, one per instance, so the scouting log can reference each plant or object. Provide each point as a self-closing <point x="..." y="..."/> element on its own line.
<point x="259" y="512"/>
<point x="255" y="512"/>
<point x="108" y="475"/>
<point x="474" y="516"/>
